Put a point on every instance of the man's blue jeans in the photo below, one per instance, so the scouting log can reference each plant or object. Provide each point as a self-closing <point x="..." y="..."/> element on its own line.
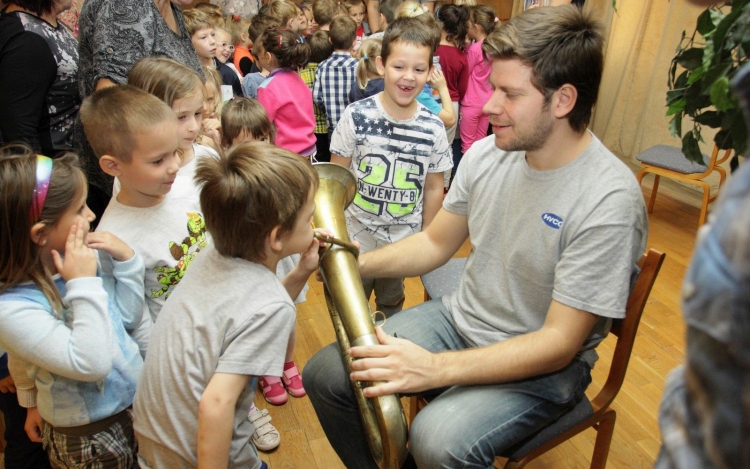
<point x="465" y="426"/>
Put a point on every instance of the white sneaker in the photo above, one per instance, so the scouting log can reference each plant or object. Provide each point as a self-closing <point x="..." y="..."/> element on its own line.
<point x="266" y="437"/>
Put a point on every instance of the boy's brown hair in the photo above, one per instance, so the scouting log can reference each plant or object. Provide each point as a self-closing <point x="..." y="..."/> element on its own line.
<point x="262" y="186"/>
<point x="114" y="117"/>
<point x="412" y="31"/>
<point x="324" y="11"/>
<point x="213" y="12"/>
<point x="320" y="46"/>
<point x="343" y="33"/>
<point x="195" y="20"/>
<point x="354" y="3"/>
<point x="561" y="45"/>
<point x="245" y="114"/>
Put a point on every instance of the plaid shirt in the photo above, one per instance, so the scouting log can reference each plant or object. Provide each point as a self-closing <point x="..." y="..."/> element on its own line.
<point x="333" y="81"/>
<point x="308" y="76"/>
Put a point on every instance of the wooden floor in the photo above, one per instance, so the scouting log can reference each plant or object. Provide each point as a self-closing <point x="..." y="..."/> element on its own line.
<point x="659" y="347"/>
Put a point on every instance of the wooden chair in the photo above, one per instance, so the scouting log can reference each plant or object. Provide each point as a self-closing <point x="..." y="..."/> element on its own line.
<point x="595" y="413"/>
<point x="670" y="162"/>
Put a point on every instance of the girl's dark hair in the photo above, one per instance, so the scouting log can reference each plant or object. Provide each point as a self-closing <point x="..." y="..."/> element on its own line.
<point x="38" y="7"/>
<point x="20" y="259"/>
<point x="484" y="16"/>
<point x="290" y="53"/>
<point x="454" y="20"/>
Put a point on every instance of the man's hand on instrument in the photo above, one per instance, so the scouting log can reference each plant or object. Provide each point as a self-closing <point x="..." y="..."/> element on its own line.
<point x="400" y="365"/>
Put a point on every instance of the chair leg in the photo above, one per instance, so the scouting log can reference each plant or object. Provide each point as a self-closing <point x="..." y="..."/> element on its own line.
<point x="704" y="204"/>
<point x="414" y="407"/>
<point x="604" y="432"/>
<point x="653" y="193"/>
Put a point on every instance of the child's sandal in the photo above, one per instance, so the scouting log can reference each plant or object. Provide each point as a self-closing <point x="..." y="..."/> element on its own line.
<point x="293" y="382"/>
<point x="273" y="390"/>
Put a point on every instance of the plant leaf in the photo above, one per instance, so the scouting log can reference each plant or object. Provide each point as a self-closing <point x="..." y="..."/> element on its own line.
<point x="705" y="23"/>
<point x="691" y="149"/>
<point x="713" y="74"/>
<point x="720" y="95"/>
<point x="690" y="59"/>
<point x="723" y="139"/>
<point x="675" y="125"/>
<point x="674" y="95"/>
<point x="709" y="118"/>
<point x="675" y="107"/>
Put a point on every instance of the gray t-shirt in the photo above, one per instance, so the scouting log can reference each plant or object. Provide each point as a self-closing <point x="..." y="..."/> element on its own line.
<point x="572" y="234"/>
<point x="391" y="159"/>
<point x="229" y="316"/>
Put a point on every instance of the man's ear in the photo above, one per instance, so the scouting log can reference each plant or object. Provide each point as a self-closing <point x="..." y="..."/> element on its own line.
<point x="380" y="65"/>
<point x="564" y="100"/>
<point x="37" y="234"/>
<point x="110" y="165"/>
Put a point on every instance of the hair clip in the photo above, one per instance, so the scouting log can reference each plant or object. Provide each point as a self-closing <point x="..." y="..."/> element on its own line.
<point x="365" y="58"/>
<point x="236" y="17"/>
<point x="43" y="174"/>
<point x="280" y="37"/>
<point x="414" y="8"/>
<point x="497" y="19"/>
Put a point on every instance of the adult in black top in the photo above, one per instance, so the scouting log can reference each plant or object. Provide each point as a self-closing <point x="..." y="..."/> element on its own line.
<point x="38" y="76"/>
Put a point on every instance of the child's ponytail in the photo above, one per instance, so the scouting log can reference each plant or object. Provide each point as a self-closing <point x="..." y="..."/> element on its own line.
<point x="484" y="16"/>
<point x="286" y="47"/>
<point x="454" y="20"/>
<point x="366" y="66"/>
<point x="23" y="204"/>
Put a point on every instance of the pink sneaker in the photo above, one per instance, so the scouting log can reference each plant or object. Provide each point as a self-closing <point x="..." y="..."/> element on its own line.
<point x="293" y="381"/>
<point x="273" y="390"/>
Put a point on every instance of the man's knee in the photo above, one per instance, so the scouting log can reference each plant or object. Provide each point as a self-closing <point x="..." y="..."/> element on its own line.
<point x="439" y="443"/>
<point x="324" y="373"/>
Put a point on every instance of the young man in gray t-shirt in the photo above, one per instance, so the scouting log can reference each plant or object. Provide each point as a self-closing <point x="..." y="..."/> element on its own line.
<point x="556" y="224"/>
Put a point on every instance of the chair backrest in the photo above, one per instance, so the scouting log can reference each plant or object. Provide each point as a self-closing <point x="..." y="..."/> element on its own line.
<point x="626" y="329"/>
<point x="714" y="160"/>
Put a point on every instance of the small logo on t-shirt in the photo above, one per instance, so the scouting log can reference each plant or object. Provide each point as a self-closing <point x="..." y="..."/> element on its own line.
<point x="552" y="220"/>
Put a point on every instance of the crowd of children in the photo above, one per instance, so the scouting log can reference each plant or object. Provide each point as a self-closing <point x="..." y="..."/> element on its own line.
<point x="123" y="351"/>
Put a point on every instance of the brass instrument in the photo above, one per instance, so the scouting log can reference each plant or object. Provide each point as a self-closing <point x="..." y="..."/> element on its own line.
<point x="383" y="418"/>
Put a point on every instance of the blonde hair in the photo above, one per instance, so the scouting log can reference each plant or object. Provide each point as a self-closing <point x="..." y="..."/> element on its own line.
<point x="114" y="117"/>
<point x="366" y="66"/>
<point x="245" y="114"/>
<point x="281" y="11"/>
<point x="236" y="27"/>
<point x="213" y="78"/>
<point x="20" y="257"/>
<point x="195" y="20"/>
<point x="409" y="9"/>
<point x="262" y="186"/>
<point x="167" y="79"/>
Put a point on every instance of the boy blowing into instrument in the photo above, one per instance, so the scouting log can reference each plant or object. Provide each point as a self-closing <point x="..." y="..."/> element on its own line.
<point x="197" y="385"/>
<point x="397" y="149"/>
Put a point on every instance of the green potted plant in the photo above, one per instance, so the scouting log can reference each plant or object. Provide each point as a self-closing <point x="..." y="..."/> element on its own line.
<point x="708" y="59"/>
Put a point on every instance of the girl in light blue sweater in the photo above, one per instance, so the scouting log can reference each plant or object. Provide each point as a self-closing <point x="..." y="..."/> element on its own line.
<point x="66" y="297"/>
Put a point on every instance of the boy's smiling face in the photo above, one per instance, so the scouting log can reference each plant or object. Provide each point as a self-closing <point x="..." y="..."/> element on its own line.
<point x="405" y="73"/>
